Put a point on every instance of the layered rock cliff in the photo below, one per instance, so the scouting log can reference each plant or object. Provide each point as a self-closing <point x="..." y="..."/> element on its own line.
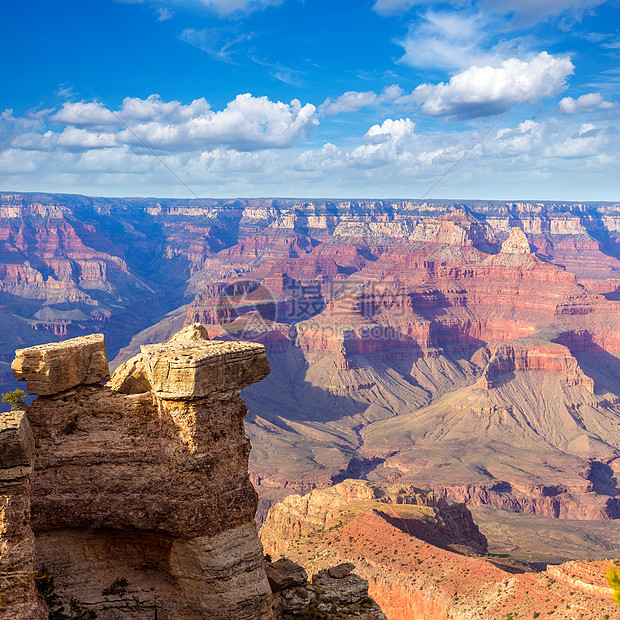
<point x="141" y="505"/>
<point x="372" y="313"/>
<point x="18" y="597"/>
<point x="387" y="538"/>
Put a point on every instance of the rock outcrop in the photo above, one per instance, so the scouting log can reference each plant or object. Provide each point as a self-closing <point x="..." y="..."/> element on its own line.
<point x="334" y="593"/>
<point x="18" y="597"/>
<point x="439" y="521"/>
<point x="412" y="578"/>
<point x="141" y="504"/>
<point x="51" y="368"/>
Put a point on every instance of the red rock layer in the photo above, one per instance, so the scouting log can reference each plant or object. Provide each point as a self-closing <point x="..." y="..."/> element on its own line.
<point x="412" y="579"/>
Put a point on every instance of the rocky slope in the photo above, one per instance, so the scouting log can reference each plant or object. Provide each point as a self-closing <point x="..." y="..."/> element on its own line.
<point x="471" y="348"/>
<point x="386" y="537"/>
<point x="141" y="505"/>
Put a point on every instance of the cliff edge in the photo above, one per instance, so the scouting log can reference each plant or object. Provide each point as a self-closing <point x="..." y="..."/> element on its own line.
<point x="140" y="503"/>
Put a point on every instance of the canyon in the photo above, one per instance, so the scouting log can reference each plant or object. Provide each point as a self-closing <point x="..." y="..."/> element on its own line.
<point x="426" y="559"/>
<point x="136" y="502"/>
<point x="466" y="347"/>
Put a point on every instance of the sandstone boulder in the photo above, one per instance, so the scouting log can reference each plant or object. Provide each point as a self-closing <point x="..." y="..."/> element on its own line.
<point x="195" y="369"/>
<point x="51" y="368"/>
<point x="191" y="332"/>
<point x="340" y="571"/>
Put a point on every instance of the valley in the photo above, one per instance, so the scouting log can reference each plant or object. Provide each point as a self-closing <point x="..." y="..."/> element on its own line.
<point x="471" y="348"/>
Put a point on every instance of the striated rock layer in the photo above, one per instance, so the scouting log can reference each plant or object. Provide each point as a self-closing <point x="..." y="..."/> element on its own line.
<point x="18" y="597"/>
<point x="141" y="503"/>
<point x="411" y="576"/>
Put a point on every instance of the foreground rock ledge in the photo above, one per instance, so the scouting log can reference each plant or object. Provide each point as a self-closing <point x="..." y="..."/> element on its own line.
<point x="52" y="368"/>
<point x="148" y="490"/>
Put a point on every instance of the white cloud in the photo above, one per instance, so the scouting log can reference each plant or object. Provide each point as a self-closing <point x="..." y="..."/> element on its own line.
<point x="352" y="101"/>
<point x="588" y="141"/>
<point x="448" y="41"/>
<point x="246" y="123"/>
<point x="524" y="138"/>
<point x="483" y="91"/>
<point x="164" y="14"/>
<point x="220" y="43"/>
<point x="228" y="7"/>
<point x="585" y="103"/>
<point x="394" y="130"/>
<point x="85" y="114"/>
<point x="559" y="158"/>
<point x="390" y="7"/>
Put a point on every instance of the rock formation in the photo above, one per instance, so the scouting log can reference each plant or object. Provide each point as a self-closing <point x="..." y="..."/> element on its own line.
<point x="141" y="503"/>
<point x="333" y="593"/>
<point x="412" y="578"/>
<point x="18" y="597"/>
<point x="440" y="522"/>
<point x="49" y="368"/>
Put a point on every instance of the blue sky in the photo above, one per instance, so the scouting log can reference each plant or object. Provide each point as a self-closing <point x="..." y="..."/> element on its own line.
<point x="487" y="99"/>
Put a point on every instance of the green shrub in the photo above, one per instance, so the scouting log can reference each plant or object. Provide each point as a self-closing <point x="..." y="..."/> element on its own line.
<point x="613" y="576"/>
<point x="16" y="398"/>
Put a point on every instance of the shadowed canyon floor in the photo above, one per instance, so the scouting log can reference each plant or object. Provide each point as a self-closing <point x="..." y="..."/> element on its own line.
<point x="471" y="348"/>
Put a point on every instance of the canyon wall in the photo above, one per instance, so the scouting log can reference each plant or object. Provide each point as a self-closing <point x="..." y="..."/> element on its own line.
<point x="141" y="504"/>
<point x="470" y="347"/>
<point x="418" y="567"/>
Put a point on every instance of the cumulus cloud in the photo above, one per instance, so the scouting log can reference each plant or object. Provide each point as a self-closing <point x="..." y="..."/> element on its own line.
<point x="85" y="114"/>
<point x="523" y="138"/>
<point x="483" y="91"/>
<point x="352" y="101"/>
<point x="585" y="103"/>
<point x="246" y="123"/>
<point x="588" y="141"/>
<point x="394" y="130"/>
<point x="391" y="158"/>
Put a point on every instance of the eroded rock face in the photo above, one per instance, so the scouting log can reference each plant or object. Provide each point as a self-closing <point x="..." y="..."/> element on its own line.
<point x="334" y="593"/>
<point x="18" y="597"/>
<point x="52" y="368"/>
<point x="516" y="243"/>
<point x="152" y="487"/>
<point x="301" y="515"/>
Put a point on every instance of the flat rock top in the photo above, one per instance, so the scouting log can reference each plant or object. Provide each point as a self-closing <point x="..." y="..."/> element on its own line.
<point x="52" y="347"/>
<point x="198" y="351"/>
